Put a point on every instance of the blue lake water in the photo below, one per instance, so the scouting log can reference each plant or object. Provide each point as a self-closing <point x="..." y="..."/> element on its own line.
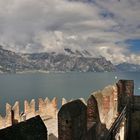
<point x="69" y="85"/>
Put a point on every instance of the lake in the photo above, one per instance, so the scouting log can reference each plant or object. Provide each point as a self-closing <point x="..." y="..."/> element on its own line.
<point x="68" y="85"/>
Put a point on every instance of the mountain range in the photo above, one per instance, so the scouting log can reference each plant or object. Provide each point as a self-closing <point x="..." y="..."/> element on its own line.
<point x="67" y="61"/>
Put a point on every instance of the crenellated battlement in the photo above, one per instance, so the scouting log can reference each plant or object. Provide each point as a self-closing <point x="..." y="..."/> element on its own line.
<point x="46" y="109"/>
<point x="107" y="98"/>
<point x="96" y="116"/>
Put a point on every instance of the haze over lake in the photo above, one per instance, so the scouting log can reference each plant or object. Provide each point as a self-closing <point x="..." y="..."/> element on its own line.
<point x="68" y="85"/>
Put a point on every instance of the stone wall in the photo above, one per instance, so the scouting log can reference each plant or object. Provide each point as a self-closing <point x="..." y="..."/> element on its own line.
<point x="46" y="109"/>
<point x="72" y="121"/>
<point x="106" y="98"/>
<point x="107" y="104"/>
<point x="96" y="115"/>
<point x="102" y="108"/>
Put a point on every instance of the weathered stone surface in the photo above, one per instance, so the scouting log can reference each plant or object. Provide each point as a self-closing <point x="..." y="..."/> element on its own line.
<point x="93" y="119"/>
<point x="29" y="109"/>
<point x="135" y="131"/>
<point x="54" y="102"/>
<point x="32" y="129"/>
<point x="72" y="121"/>
<point x="52" y="109"/>
<point x="52" y="127"/>
<point x="8" y="118"/>
<point x="42" y="106"/>
<point x="64" y="101"/>
<point x="2" y="122"/>
<point x="83" y="100"/>
<point x="15" y="110"/>
<point x="47" y="100"/>
<point x="92" y="110"/>
<point x="121" y="133"/>
<point x="125" y="92"/>
<point x="107" y="104"/>
<point x="47" y="107"/>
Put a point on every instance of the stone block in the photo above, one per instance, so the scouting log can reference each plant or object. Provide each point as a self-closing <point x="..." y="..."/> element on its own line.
<point x="107" y="100"/>
<point x="92" y="110"/>
<point x="125" y="93"/>
<point x="72" y="121"/>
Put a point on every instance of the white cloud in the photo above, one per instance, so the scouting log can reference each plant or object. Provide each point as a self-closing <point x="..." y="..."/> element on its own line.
<point x="51" y="25"/>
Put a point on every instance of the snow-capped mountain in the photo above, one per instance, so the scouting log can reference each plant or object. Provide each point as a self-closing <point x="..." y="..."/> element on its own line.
<point x="81" y="61"/>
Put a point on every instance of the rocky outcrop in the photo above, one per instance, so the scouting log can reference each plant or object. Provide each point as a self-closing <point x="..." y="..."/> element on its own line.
<point x="11" y="62"/>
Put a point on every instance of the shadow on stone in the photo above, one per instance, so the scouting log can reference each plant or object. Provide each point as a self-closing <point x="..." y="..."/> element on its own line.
<point x="52" y="137"/>
<point x="72" y="121"/>
<point x="95" y="129"/>
<point x="32" y="129"/>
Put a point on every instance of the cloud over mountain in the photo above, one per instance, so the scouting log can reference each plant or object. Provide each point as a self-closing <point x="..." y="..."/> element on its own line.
<point x="101" y="26"/>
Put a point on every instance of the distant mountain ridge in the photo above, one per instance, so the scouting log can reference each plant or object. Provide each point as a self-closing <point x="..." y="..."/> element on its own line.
<point x="80" y="61"/>
<point x="127" y="67"/>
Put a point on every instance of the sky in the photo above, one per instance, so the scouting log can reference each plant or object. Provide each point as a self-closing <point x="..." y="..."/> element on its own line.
<point x="108" y="28"/>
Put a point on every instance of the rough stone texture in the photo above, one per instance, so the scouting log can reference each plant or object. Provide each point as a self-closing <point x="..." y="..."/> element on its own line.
<point x="32" y="129"/>
<point x="96" y="130"/>
<point x="42" y="107"/>
<point x="29" y="109"/>
<point x="93" y="118"/>
<point x="15" y="110"/>
<point x="92" y="132"/>
<point x="135" y="132"/>
<point x="64" y="101"/>
<point x="48" y="107"/>
<point x="121" y="133"/>
<point x="126" y="97"/>
<point x="107" y="104"/>
<point x="72" y="121"/>
<point x="102" y="109"/>
<point x="2" y="122"/>
<point x="125" y="92"/>
<point x="92" y="110"/>
<point x="83" y="100"/>
<point x="8" y="118"/>
<point x="52" y="127"/>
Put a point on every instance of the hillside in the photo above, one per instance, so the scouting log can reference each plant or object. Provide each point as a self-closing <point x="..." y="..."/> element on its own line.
<point x="11" y="62"/>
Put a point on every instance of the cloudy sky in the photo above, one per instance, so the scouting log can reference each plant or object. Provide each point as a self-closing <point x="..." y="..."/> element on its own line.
<point x="110" y="28"/>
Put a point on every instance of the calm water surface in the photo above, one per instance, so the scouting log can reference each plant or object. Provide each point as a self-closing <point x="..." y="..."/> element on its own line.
<point x="68" y="85"/>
